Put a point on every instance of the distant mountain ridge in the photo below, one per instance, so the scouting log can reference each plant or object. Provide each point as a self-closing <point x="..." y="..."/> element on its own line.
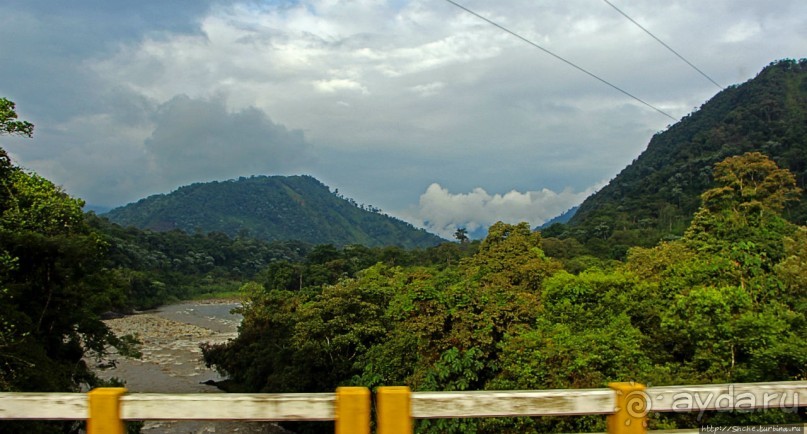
<point x="271" y="208"/>
<point x="656" y="195"/>
<point x="562" y="218"/>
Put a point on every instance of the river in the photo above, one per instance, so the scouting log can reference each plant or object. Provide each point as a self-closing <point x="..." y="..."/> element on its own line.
<point x="172" y="360"/>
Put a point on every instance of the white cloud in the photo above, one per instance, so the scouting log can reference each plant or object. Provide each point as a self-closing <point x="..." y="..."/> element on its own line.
<point x="392" y="95"/>
<point x="336" y="84"/>
<point x="430" y="89"/>
<point x="741" y="31"/>
<point x="443" y="212"/>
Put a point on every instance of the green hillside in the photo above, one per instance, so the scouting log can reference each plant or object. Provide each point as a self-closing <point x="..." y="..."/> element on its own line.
<point x="657" y="194"/>
<point x="271" y="208"/>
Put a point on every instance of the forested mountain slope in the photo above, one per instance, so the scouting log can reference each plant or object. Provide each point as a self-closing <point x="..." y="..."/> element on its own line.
<point x="725" y="303"/>
<point x="657" y="194"/>
<point x="271" y="208"/>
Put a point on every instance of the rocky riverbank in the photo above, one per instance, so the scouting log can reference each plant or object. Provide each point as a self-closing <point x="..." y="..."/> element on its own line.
<point x="172" y="360"/>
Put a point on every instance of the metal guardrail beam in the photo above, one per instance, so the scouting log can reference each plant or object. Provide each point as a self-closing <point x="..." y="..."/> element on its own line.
<point x="215" y="406"/>
<point x="43" y="406"/>
<point x="626" y="405"/>
<point x="156" y="406"/>
<point x="740" y="396"/>
<point x="105" y="409"/>
<point x="427" y="405"/>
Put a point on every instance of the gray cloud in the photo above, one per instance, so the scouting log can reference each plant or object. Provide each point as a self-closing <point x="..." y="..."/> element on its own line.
<point x="155" y="148"/>
<point x="196" y="140"/>
<point x="52" y="42"/>
<point x="392" y="96"/>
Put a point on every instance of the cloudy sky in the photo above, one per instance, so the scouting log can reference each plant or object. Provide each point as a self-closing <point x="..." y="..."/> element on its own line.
<point x="413" y="106"/>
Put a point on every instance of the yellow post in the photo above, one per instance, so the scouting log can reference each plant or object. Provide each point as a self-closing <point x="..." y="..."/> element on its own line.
<point x="352" y="410"/>
<point x="104" y="406"/>
<point x="632" y="405"/>
<point x="394" y="410"/>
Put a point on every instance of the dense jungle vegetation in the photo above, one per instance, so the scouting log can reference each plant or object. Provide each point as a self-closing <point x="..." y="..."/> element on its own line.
<point x="725" y="303"/>
<point x="713" y="291"/>
<point x="62" y="271"/>
<point x="53" y="286"/>
<point x="655" y="197"/>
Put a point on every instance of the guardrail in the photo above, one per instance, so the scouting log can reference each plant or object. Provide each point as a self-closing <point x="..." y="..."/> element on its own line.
<point x="105" y="409"/>
<point x="625" y="404"/>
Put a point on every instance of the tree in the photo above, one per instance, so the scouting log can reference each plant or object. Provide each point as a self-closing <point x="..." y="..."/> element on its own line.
<point x="511" y="255"/>
<point x="8" y="122"/>
<point x="750" y="182"/>
<point x="461" y="234"/>
<point x="793" y="270"/>
<point x="10" y="126"/>
<point x="52" y="286"/>
<point x="731" y="289"/>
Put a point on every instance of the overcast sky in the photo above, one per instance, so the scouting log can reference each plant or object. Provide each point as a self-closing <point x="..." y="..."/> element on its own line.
<point x="413" y="106"/>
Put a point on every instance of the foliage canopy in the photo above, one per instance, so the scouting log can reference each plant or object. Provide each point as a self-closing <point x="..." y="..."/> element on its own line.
<point x="725" y="303"/>
<point x="272" y="208"/>
<point x="655" y="197"/>
<point x="724" y="300"/>
<point x="51" y="286"/>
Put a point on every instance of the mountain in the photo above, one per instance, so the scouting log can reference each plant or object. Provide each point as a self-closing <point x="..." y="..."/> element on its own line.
<point x="271" y="208"/>
<point x="656" y="195"/>
<point x="97" y="209"/>
<point x="563" y="218"/>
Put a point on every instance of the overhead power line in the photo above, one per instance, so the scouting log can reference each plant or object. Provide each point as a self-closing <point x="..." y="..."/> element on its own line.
<point x="662" y="43"/>
<point x="573" y="65"/>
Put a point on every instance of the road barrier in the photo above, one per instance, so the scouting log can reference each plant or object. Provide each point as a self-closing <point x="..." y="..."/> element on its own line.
<point x="625" y="404"/>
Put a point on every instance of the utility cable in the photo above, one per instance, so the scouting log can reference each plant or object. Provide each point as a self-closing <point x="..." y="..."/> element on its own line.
<point x="662" y="43"/>
<point x="581" y="69"/>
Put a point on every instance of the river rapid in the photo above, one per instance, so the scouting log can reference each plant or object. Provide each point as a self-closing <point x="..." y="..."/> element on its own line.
<point x="172" y="360"/>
